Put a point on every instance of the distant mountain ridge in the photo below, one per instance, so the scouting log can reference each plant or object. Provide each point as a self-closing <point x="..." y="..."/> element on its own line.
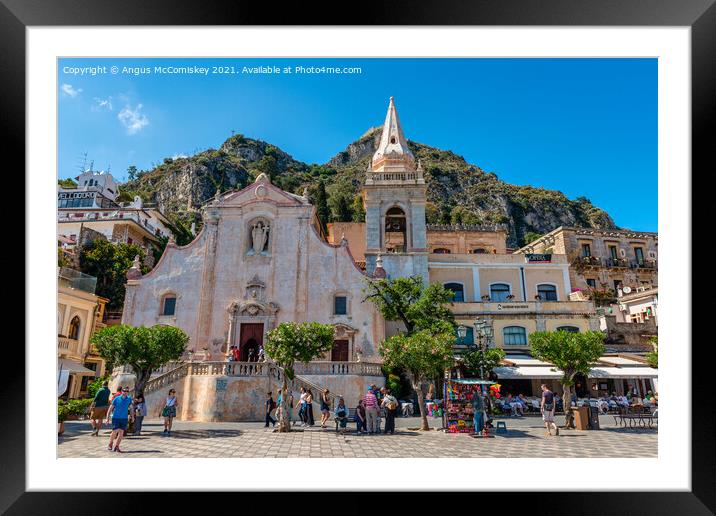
<point x="458" y="192"/>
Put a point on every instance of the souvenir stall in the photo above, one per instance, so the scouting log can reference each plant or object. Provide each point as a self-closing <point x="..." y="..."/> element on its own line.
<point x="458" y="412"/>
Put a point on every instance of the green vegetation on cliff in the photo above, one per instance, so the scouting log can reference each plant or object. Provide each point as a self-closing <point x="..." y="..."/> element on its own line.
<point x="458" y="192"/>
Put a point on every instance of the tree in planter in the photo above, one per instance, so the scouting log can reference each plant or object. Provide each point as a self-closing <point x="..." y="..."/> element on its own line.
<point x="289" y="343"/>
<point x="143" y="349"/>
<point x="429" y="329"/>
<point x="572" y="353"/>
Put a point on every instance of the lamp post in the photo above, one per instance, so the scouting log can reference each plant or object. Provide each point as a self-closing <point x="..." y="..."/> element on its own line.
<point x="461" y="332"/>
<point x="483" y="331"/>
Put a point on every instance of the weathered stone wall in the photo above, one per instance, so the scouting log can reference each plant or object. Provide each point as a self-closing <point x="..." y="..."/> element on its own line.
<point x="632" y="335"/>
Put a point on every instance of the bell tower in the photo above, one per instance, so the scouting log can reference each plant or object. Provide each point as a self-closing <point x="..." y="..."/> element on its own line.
<point x="395" y="195"/>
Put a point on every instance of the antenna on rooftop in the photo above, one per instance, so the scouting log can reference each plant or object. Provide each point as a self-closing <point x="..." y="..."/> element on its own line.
<point x="91" y="165"/>
<point x="83" y="166"/>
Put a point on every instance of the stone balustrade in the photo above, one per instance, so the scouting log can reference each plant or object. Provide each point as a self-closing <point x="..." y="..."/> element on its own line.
<point x="69" y="346"/>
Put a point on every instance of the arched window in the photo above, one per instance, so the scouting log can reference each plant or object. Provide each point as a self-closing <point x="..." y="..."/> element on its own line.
<point x="458" y="290"/>
<point x="169" y="304"/>
<point x="75" y="324"/>
<point x="514" y="336"/>
<point x="547" y="292"/>
<point x="571" y="329"/>
<point x="441" y="250"/>
<point x="479" y="250"/>
<point x="499" y="292"/>
<point x="396" y="235"/>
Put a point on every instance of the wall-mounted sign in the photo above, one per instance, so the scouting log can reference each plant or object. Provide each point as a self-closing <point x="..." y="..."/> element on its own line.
<point x="501" y="306"/>
<point x="76" y="195"/>
<point x="538" y="258"/>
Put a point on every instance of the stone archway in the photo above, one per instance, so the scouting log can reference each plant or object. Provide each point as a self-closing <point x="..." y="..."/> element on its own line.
<point x="248" y="314"/>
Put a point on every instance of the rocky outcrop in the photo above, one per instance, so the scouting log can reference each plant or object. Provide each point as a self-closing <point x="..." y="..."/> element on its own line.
<point x="458" y="192"/>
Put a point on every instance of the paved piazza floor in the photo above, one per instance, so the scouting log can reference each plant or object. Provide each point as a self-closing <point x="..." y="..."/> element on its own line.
<point x="524" y="438"/>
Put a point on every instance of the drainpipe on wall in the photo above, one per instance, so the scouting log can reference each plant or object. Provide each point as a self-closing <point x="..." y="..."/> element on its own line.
<point x="524" y="288"/>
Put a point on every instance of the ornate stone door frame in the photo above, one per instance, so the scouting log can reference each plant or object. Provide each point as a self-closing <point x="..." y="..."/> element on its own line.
<point x="249" y="311"/>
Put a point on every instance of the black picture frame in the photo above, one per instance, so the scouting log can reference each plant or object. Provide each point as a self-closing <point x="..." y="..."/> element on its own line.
<point x="699" y="15"/>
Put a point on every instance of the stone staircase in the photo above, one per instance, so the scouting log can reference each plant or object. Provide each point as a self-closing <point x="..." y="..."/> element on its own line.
<point x="179" y="370"/>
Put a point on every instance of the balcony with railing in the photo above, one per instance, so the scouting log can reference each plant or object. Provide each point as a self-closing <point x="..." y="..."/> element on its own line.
<point x="73" y="279"/>
<point x="69" y="347"/>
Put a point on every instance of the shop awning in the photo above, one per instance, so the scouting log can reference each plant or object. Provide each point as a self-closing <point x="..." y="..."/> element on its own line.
<point x="527" y="373"/>
<point x="472" y="381"/>
<point x="74" y="367"/>
<point x="624" y="372"/>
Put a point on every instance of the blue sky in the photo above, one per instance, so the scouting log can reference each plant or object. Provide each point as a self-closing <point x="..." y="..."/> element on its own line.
<point x="587" y="127"/>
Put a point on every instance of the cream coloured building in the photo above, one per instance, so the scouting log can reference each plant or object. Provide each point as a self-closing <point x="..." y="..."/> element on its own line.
<point x="79" y="314"/>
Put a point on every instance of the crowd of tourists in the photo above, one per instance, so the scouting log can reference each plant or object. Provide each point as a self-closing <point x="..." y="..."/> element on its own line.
<point x="126" y="414"/>
<point x="377" y="404"/>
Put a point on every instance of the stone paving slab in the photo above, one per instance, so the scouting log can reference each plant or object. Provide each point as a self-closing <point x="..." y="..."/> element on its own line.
<point x="525" y="438"/>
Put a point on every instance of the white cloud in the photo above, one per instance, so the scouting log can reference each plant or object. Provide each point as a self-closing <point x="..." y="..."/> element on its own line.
<point x="179" y="156"/>
<point x="103" y="103"/>
<point x="132" y="119"/>
<point x="67" y="89"/>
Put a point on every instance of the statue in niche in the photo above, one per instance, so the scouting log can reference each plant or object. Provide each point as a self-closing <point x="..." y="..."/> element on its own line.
<point x="259" y="237"/>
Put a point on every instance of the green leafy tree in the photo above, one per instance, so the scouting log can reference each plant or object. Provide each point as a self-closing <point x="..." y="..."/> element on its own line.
<point x="341" y="209"/>
<point x="320" y="201"/>
<point x="62" y="260"/>
<point x="182" y="236"/>
<point x="423" y="355"/>
<point x="461" y="215"/>
<point x="291" y="342"/>
<point x="269" y="166"/>
<point x="132" y="172"/>
<point x="67" y="183"/>
<point x="572" y="353"/>
<point x="424" y="349"/>
<point x="476" y="362"/>
<point x="358" y="209"/>
<point x="531" y="236"/>
<point x="109" y="263"/>
<point x="652" y="357"/>
<point x="143" y="349"/>
<point x="432" y="213"/>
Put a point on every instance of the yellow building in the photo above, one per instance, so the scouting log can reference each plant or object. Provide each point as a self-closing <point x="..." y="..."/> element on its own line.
<point x="79" y="314"/>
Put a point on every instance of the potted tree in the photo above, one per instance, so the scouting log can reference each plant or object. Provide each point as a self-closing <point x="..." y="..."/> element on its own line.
<point x="62" y="413"/>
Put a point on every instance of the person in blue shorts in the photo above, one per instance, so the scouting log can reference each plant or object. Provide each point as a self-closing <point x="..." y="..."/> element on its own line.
<point x="119" y="414"/>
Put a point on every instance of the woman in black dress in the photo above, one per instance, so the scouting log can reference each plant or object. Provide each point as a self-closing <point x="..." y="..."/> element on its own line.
<point x="309" y="407"/>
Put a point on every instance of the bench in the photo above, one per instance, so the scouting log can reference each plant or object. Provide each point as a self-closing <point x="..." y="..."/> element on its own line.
<point x="351" y="417"/>
<point x="634" y="418"/>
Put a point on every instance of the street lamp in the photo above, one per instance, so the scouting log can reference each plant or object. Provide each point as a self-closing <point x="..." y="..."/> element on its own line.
<point x="484" y="334"/>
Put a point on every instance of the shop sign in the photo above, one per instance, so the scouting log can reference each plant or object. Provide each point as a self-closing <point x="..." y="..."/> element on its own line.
<point x="538" y="258"/>
<point x="75" y="195"/>
<point x="500" y="306"/>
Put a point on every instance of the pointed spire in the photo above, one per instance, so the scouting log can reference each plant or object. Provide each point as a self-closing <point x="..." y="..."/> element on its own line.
<point x="393" y="147"/>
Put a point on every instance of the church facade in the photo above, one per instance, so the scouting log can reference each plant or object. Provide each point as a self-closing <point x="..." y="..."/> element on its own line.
<point x="261" y="259"/>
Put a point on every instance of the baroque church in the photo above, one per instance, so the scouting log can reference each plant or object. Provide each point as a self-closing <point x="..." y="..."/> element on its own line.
<point x="261" y="259"/>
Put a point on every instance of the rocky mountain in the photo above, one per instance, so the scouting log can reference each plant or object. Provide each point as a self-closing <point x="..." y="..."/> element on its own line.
<point x="458" y="192"/>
